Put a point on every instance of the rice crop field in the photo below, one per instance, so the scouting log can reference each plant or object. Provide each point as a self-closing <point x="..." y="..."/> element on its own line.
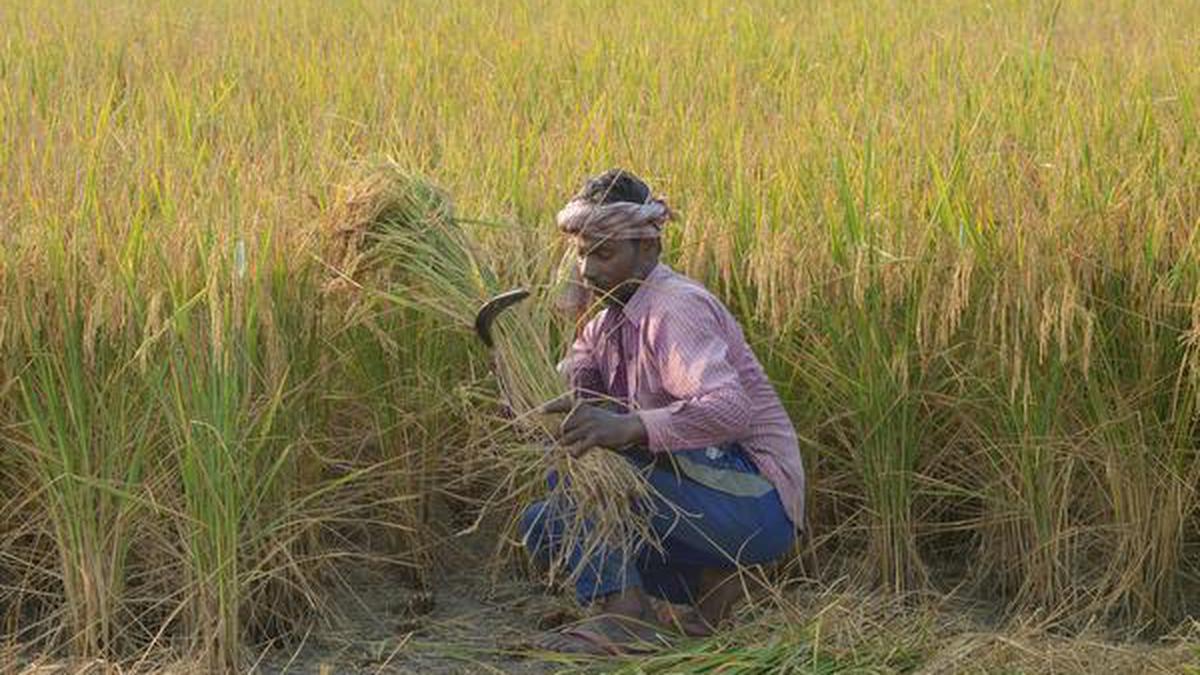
<point x="963" y="238"/>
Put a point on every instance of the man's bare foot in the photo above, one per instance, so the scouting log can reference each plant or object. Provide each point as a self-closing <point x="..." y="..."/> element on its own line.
<point x="685" y="619"/>
<point x="720" y="590"/>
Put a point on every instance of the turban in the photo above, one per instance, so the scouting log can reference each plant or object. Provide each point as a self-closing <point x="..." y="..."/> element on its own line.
<point x="618" y="220"/>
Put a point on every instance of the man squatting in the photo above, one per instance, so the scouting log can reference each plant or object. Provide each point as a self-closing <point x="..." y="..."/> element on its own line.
<point x="691" y="391"/>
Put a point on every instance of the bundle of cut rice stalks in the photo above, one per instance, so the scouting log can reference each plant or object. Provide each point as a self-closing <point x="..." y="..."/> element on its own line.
<point x="403" y="230"/>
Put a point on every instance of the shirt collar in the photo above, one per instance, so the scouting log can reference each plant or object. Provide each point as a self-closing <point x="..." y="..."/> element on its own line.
<point x="639" y="304"/>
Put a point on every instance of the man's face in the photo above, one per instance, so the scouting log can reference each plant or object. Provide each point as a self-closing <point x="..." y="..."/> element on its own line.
<point x="611" y="268"/>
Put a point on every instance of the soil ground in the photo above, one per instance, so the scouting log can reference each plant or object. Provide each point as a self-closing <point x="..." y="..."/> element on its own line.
<point x="466" y="621"/>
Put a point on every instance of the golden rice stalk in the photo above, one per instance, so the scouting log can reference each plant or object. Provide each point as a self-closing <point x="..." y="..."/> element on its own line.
<point x="398" y="239"/>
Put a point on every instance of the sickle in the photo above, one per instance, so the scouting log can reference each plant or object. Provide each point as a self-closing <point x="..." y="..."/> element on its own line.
<point x="493" y="308"/>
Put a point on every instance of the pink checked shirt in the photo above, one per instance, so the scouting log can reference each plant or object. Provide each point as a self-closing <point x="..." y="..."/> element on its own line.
<point x="694" y="381"/>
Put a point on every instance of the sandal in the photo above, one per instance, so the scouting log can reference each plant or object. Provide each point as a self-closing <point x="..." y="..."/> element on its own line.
<point x="578" y="638"/>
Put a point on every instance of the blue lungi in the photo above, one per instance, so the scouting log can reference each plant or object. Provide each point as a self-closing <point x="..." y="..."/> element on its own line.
<point x="725" y="514"/>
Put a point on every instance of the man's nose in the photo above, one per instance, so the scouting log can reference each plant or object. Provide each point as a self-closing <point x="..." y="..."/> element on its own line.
<point x="587" y="269"/>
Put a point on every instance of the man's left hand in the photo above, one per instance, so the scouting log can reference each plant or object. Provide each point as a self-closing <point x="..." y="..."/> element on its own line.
<point x="589" y="426"/>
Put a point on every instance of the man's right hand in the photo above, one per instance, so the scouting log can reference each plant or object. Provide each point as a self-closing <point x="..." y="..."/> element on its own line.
<point x="561" y="404"/>
<point x="567" y="402"/>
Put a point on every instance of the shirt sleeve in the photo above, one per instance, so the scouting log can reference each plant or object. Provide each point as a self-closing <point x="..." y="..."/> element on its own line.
<point x="580" y="367"/>
<point x="690" y="344"/>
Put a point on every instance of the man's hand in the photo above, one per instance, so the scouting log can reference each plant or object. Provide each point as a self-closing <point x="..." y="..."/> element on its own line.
<point x="562" y="403"/>
<point x="588" y="426"/>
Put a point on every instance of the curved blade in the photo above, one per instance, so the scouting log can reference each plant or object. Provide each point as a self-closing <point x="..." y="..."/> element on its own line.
<point x="492" y="309"/>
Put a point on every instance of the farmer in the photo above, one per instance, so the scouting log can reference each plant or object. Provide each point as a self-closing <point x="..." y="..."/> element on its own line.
<point x="695" y="410"/>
